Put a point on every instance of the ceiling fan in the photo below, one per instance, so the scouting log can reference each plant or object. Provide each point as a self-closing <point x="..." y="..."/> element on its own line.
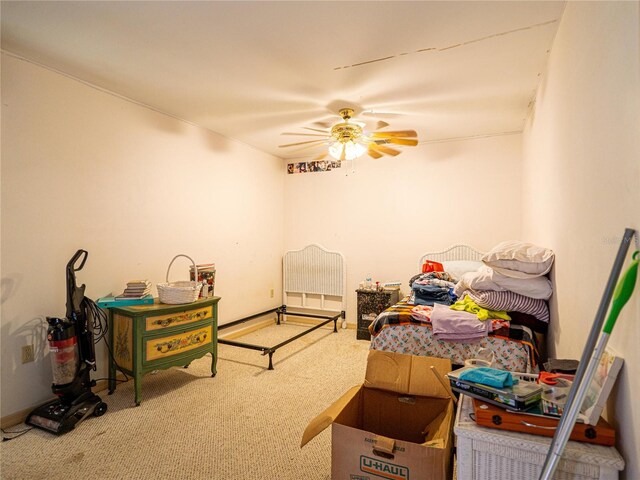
<point x="348" y="139"/>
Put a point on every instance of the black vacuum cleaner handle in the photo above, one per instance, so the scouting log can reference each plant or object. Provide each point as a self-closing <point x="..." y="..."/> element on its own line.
<point x="76" y="311"/>
<point x="75" y="294"/>
<point x="71" y="265"/>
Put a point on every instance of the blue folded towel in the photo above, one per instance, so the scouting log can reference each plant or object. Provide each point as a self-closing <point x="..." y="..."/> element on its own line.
<point x="488" y="376"/>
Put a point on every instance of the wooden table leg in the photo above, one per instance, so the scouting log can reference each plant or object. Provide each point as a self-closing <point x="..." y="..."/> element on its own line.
<point x="137" y="382"/>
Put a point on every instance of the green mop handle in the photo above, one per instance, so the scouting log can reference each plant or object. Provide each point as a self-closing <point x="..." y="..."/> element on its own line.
<point x="622" y="293"/>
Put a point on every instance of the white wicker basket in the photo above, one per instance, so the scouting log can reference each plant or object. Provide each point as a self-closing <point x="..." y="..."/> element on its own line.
<point x="176" y="293"/>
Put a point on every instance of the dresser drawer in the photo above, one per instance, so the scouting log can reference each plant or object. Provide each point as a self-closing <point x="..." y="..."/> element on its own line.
<point x="168" y="346"/>
<point x="178" y="319"/>
<point x="365" y="319"/>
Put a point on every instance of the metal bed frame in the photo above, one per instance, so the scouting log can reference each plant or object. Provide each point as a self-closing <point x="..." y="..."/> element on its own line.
<point x="312" y="270"/>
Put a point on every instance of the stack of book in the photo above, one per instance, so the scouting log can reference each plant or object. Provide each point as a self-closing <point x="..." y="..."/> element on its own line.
<point x="135" y="289"/>
<point x="137" y="292"/>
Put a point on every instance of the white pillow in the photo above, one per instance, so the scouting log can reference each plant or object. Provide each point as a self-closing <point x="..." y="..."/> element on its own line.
<point x="457" y="268"/>
<point x="486" y="279"/>
<point x="519" y="259"/>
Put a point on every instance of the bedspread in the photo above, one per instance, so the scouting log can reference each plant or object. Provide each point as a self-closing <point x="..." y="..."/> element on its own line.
<point x="396" y="330"/>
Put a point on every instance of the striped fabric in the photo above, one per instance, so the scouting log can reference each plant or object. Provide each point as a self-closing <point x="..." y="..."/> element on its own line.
<point x="510" y="302"/>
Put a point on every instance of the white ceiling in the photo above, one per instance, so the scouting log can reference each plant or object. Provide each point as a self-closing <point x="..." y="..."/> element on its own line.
<point x="252" y="70"/>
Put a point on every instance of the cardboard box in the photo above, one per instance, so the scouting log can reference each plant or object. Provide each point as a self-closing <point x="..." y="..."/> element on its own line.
<point x="397" y="425"/>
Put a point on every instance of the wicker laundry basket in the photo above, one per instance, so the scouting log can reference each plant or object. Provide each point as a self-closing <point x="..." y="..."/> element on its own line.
<point x="176" y="293"/>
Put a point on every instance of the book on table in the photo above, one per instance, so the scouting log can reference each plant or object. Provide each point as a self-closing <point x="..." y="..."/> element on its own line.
<point x="135" y="289"/>
<point x="138" y="285"/>
<point x="111" y="301"/>
<point x="128" y="295"/>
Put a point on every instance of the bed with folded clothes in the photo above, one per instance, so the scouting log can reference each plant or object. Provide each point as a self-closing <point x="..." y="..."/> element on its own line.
<point x="465" y="301"/>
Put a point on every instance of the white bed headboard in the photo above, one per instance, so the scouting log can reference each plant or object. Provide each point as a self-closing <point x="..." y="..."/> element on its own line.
<point x="314" y="270"/>
<point x="454" y="252"/>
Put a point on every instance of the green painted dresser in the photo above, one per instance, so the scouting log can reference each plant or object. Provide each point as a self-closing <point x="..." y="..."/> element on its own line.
<point x="145" y="338"/>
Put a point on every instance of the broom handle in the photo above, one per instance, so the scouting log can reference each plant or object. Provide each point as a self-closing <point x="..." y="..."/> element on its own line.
<point x="579" y="388"/>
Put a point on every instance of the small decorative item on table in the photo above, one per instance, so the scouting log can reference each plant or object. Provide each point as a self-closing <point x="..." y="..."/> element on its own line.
<point x="206" y="276"/>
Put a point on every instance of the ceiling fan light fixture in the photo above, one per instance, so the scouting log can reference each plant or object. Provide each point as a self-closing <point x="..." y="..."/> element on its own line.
<point x="346" y="150"/>
<point x="347" y="140"/>
<point x="335" y="150"/>
<point x="347" y="136"/>
<point x="354" y="150"/>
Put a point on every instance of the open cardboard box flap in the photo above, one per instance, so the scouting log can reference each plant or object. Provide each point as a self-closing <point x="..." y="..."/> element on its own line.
<point x="407" y="374"/>
<point x="327" y="417"/>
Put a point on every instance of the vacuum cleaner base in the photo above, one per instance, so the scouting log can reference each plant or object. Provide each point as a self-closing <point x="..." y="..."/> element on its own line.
<point x="58" y="417"/>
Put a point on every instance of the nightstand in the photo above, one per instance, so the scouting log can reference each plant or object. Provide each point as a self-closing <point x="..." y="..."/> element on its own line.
<point x="144" y="338"/>
<point x="370" y="304"/>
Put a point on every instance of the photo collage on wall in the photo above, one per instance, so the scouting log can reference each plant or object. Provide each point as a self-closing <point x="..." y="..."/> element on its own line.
<point x="318" y="166"/>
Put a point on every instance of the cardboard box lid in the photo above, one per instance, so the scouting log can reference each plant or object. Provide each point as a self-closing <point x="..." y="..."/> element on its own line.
<point x="407" y="374"/>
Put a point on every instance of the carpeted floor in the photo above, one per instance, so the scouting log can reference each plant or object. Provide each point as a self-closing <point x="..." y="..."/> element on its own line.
<point x="246" y="423"/>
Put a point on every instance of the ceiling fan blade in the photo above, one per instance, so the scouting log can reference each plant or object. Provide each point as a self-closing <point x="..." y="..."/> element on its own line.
<point x="388" y="150"/>
<point x="296" y="151"/>
<point x="381" y="124"/>
<point x="410" y="142"/>
<point x="396" y="133"/>
<point x="373" y="154"/>
<point x="326" y="131"/>
<point x="301" y="143"/>
<point x="321" y="156"/>
<point x="324" y="123"/>
<point x="306" y="147"/>
<point x="306" y="134"/>
<point x="371" y="113"/>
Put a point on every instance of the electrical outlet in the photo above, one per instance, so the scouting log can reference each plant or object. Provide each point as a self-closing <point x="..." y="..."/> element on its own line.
<point x="28" y="354"/>
<point x="271" y="292"/>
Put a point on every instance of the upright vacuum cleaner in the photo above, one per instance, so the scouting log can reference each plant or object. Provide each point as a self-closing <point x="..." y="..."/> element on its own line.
<point x="73" y="357"/>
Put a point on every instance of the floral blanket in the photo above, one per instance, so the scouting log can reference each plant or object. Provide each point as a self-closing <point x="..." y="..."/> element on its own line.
<point x="397" y="330"/>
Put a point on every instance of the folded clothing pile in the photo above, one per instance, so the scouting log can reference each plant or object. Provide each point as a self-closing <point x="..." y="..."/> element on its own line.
<point x="513" y="280"/>
<point x="432" y="287"/>
<point x="458" y="326"/>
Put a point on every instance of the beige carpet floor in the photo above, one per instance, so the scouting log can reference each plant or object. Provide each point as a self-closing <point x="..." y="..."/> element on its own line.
<point x="246" y="423"/>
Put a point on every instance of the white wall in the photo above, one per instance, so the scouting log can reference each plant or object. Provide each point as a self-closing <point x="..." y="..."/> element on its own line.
<point x="384" y="214"/>
<point x="582" y="186"/>
<point x="84" y="169"/>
